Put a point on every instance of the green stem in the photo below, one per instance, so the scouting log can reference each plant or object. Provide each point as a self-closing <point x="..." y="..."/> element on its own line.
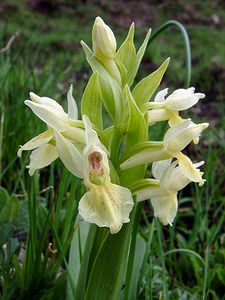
<point x="187" y="251"/>
<point x="205" y="273"/>
<point x="182" y="29"/>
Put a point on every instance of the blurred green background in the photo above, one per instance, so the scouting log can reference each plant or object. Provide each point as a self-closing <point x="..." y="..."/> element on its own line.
<point x="40" y="51"/>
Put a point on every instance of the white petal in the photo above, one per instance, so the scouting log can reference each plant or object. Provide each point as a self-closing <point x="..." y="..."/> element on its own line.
<point x="42" y="157"/>
<point x="52" y="117"/>
<point x="173" y="178"/>
<point x="75" y="134"/>
<point x="157" y="115"/>
<point x="159" y="167"/>
<point x="107" y="205"/>
<point x="72" y="106"/>
<point x="165" y="208"/>
<point x="36" y="142"/>
<point x="183" y="99"/>
<point x="189" y="169"/>
<point x="69" y="155"/>
<point x="160" y="96"/>
<point x="90" y="134"/>
<point x="46" y="102"/>
<point x="179" y="136"/>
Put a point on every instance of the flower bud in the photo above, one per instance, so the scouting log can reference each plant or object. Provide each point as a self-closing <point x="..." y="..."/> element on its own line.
<point x="103" y="40"/>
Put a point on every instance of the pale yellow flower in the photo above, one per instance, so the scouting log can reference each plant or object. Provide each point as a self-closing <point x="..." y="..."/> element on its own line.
<point x="63" y="130"/>
<point x="105" y="204"/>
<point x="170" y="179"/>
<point x="175" y="140"/>
<point x="168" y="109"/>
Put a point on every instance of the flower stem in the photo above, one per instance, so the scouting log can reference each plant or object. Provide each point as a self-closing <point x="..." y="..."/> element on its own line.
<point x="180" y="26"/>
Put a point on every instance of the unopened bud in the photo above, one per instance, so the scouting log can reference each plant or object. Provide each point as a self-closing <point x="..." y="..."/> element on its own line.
<point x="103" y="40"/>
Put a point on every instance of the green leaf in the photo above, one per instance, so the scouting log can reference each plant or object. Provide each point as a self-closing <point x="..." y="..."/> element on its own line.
<point x="4" y="196"/>
<point x="75" y="256"/>
<point x="91" y="103"/>
<point x="2" y="254"/>
<point x="6" y="231"/>
<point x="10" y="211"/>
<point x="105" y="280"/>
<point x="106" y="136"/>
<point x="135" y="65"/>
<point x="113" y="174"/>
<point x="84" y="266"/>
<point x="110" y="89"/>
<point x="18" y="271"/>
<point x="138" y="129"/>
<point x="121" y="124"/>
<point x="144" y="90"/>
<point x="138" y="261"/>
<point x="137" y="132"/>
<point x="122" y="70"/>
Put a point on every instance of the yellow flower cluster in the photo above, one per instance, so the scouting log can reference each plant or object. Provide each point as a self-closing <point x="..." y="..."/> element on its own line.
<point x="110" y="160"/>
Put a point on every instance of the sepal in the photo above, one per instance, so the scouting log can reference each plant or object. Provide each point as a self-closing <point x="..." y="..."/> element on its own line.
<point x="69" y="154"/>
<point x="36" y="142"/>
<point x="42" y="157"/>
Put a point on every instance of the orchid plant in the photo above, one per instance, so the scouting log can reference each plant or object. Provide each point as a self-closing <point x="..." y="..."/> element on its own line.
<point x="112" y="161"/>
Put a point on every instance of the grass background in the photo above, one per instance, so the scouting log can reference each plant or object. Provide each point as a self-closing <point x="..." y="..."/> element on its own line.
<point x="45" y="58"/>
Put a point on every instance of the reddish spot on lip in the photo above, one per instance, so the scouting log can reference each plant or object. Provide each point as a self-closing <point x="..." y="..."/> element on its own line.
<point x="95" y="159"/>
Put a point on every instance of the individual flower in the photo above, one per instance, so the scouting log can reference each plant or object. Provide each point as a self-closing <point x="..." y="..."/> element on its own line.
<point x="104" y="47"/>
<point x="105" y="204"/>
<point x="168" y="109"/>
<point x="175" y="140"/>
<point x="63" y="130"/>
<point x="170" y="179"/>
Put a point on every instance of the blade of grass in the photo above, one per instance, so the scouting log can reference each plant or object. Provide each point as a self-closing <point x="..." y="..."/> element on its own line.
<point x="162" y="259"/>
<point x="184" y="33"/>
